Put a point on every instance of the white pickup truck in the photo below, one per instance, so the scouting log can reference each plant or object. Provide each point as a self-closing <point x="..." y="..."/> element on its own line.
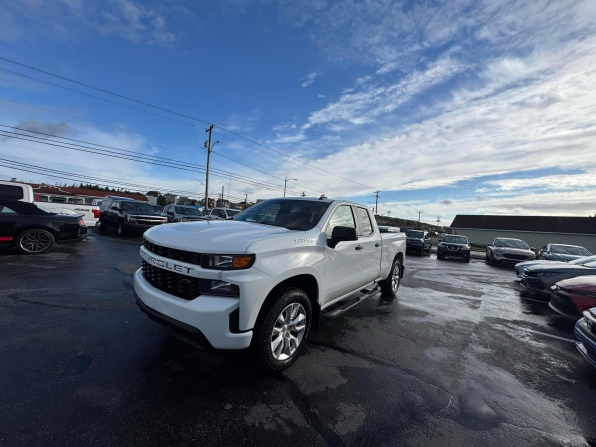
<point x="24" y="193"/>
<point x="264" y="279"/>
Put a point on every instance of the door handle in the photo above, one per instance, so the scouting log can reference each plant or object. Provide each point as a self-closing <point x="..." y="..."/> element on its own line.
<point x="359" y="247"/>
<point x="378" y="244"/>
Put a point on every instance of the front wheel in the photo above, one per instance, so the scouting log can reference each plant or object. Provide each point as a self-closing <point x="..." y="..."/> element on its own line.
<point x="440" y="257"/>
<point x="281" y="335"/>
<point x="491" y="260"/>
<point x="391" y="284"/>
<point x="35" y="241"/>
<point x="120" y="229"/>
<point x="467" y="259"/>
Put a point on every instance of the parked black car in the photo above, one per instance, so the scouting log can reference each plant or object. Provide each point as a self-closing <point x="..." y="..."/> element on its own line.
<point x="35" y="231"/>
<point x="454" y="246"/>
<point x="418" y="241"/>
<point x="128" y="216"/>
<point x="585" y="331"/>
<point x="179" y="213"/>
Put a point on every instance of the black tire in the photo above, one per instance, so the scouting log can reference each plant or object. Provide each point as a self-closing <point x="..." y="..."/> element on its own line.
<point x="121" y="230"/>
<point x="264" y="332"/>
<point x="440" y="257"/>
<point x="101" y="226"/>
<point x="35" y="241"/>
<point x="387" y="286"/>
<point x="491" y="260"/>
<point x="467" y="259"/>
<point x="422" y="251"/>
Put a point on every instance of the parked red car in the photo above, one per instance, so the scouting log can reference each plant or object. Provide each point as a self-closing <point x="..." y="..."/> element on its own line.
<point x="571" y="297"/>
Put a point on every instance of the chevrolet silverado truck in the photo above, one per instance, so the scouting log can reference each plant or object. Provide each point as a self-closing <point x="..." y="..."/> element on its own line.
<point x="265" y="279"/>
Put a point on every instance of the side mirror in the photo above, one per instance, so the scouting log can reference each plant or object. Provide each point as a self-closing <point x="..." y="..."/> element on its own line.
<point x="470" y="243"/>
<point x="342" y="234"/>
<point x="533" y="248"/>
<point x="115" y="208"/>
<point x="170" y="213"/>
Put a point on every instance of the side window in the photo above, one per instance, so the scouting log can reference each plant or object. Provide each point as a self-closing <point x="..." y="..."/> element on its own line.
<point x="366" y="227"/>
<point x="105" y="205"/>
<point x="11" y="192"/>
<point x="341" y="217"/>
<point x="5" y="210"/>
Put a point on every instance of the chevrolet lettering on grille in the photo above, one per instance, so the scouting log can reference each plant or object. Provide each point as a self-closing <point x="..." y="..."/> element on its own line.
<point x="165" y="264"/>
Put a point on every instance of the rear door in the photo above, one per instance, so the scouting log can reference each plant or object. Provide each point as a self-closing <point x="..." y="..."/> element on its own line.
<point x="343" y="272"/>
<point x="370" y="240"/>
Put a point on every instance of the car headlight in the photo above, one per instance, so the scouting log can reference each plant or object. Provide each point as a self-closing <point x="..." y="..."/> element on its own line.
<point x="129" y="219"/>
<point x="498" y="250"/>
<point x="214" y="287"/>
<point x="464" y="248"/>
<point x="227" y="262"/>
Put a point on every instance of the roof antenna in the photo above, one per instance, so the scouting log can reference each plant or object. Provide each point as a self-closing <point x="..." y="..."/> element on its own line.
<point x="323" y="197"/>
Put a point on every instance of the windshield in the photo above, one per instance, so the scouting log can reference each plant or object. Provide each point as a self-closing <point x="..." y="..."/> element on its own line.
<point x="582" y="261"/>
<point x="233" y="213"/>
<point x="511" y="243"/>
<point x="137" y="207"/>
<point x="570" y="250"/>
<point x="455" y="239"/>
<point x="299" y="215"/>
<point x="187" y="211"/>
<point x="415" y="233"/>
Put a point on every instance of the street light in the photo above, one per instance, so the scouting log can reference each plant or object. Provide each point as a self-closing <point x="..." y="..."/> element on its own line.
<point x="286" y="184"/>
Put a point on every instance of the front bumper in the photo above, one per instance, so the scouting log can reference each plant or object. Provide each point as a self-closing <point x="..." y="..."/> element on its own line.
<point x="453" y="253"/>
<point x="504" y="258"/>
<point x="133" y="227"/>
<point x="79" y="236"/>
<point x="563" y="305"/>
<point x="587" y="341"/>
<point x="206" y="318"/>
<point x="533" y="284"/>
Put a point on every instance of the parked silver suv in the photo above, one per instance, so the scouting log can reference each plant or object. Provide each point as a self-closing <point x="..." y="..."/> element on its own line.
<point x="508" y="251"/>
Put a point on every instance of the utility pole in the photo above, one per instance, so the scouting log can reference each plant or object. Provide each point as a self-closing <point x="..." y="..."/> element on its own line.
<point x="419" y="213"/>
<point x="286" y="183"/>
<point x="388" y="214"/>
<point x="209" y="147"/>
<point x="245" y="200"/>
<point x="438" y="221"/>
<point x="303" y="195"/>
<point x="222" y="196"/>
<point x="377" y="203"/>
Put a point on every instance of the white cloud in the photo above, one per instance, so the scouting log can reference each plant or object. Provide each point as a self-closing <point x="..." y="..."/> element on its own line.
<point x="310" y="78"/>
<point x="77" y="20"/>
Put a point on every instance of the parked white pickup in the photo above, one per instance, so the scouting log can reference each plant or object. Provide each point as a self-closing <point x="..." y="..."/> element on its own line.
<point x="264" y="278"/>
<point x="24" y="193"/>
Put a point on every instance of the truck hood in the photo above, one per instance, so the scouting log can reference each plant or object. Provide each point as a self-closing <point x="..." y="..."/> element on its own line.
<point x="213" y="236"/>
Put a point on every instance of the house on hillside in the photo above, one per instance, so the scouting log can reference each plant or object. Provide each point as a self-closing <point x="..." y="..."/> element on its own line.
<point x="64" y="194"/>
<point x="537" y="231"/>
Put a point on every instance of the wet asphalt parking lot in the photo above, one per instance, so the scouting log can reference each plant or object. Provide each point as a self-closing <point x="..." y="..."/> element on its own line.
<point x="458" y="358"/>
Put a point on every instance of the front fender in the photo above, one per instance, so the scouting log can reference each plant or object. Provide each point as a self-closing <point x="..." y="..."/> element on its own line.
<point x="278" y="267"/>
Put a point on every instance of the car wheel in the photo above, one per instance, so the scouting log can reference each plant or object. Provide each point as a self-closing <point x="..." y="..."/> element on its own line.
<point x="120" y="229"/>
<point x="467" y="259"/>
<point x="101" y="226"/>
<point x="281" y="335"/>
<point x="440" y="257"/>
<point x="35" y="241"/>
<point x="491" y="260"/>
<point x="390" y="285"/>
<point x="422" y="251"/>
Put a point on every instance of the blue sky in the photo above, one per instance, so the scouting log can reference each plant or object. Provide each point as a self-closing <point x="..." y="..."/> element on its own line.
<point x="459" y="106"/>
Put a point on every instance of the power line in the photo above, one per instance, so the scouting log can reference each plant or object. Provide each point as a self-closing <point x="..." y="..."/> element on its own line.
<point x="168" y="111"/>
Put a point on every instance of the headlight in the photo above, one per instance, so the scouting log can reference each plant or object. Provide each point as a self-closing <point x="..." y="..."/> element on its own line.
<point x="223" y="288"/>
<point x="498" y="250"/>
<point x="130" y="219"/>
<point x="227" y="262"/>
<point x="464" y="248"/>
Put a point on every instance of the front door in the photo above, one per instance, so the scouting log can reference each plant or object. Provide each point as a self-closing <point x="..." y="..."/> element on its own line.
<point x="343" y="272"/>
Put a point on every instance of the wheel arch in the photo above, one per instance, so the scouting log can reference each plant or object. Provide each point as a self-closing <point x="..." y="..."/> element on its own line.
<point x="24" y="228"/>
<point x="307" y="283"/>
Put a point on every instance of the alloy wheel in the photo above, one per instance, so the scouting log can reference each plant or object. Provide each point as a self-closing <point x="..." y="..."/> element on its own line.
<point x="35" y="241"/>
<point x="288" y="331"/>
<point x="395" y="278"/>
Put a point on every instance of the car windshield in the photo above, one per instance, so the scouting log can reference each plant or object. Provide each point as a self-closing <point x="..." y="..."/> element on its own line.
<point x="511" y="243"/>
<point x="455" y="239"/>
<point x="301" y="215"/>
<point x="415" y="233"/>
<point x="187" y="211"/>
<point x="570" y="250"/>
<point x="137" y="207"/>
<point x="157" y="208"/>
<point x="582" y="261"/>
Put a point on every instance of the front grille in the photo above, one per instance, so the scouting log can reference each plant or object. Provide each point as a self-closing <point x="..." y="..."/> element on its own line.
<point x="182" y="286"/>
<point x="565" y="305"/>
<point x="452" y="248"/>
<point x="149" y="221"/>
<point x="173" y="253"/>
<point x="513" y="256"/>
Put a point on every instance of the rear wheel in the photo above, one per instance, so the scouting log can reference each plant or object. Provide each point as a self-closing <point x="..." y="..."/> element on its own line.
<point x="390" y="285"/>
<point x="281" y="334"/>
<point x="35" y="241"/>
